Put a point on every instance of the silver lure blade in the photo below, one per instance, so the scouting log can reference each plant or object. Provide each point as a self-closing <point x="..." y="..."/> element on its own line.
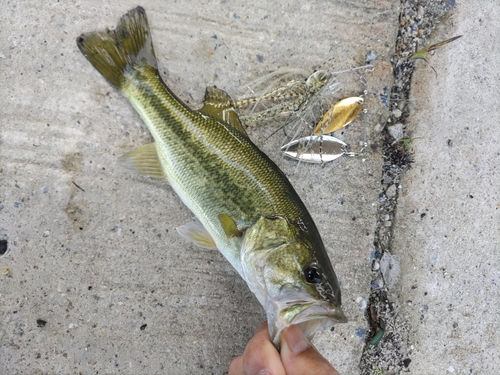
<point x="315" y="149"/>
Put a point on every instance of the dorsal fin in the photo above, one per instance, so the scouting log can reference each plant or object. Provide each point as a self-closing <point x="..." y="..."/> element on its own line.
<point x="219" y="105"/>
<point x="145" y="161"/>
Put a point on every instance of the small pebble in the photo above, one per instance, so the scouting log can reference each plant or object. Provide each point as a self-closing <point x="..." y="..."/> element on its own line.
<point x="370" y="57"/>
<point x="420" y="12"/>
<point x="391" y="191"/>
<point x="360" y="332"/>
<point x="46" y="234"/>
<point x="361" y="303"/>
<point x="397" y="113"/>
<point x="450" y="4"/>
<point x="377" y="283"/>
<point x="396" y="131"/>
<point x="389" y="268"/>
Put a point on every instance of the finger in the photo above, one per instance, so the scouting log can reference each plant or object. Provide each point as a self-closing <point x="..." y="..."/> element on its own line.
<point x="260" y="355"/>
<point x="300" y="357"/>
<point x="236" y="367"/>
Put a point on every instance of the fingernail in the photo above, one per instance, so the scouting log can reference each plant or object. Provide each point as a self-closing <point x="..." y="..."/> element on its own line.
<point x="296" y="340"/>
<point x="265" y="372"/>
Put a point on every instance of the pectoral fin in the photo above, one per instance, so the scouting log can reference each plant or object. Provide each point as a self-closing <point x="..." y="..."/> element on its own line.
<point x="219" y="105"/>
<point x="195" y="232"/>
<point x="229" y="226"/>
<point x="145" y="161"/>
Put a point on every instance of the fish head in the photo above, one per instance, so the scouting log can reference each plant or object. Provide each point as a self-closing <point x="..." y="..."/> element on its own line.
<point x="318" y="79"/>
<point x="290" y="280"/>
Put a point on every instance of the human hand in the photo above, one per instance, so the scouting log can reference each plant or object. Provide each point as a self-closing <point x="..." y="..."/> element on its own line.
<point x="297" y="357"/>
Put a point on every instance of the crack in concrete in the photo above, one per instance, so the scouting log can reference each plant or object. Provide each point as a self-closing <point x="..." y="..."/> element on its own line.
<point x="386" y="350"/>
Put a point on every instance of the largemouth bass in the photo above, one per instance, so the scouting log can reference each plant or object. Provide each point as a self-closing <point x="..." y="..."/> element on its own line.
<point x="244" y="204"/>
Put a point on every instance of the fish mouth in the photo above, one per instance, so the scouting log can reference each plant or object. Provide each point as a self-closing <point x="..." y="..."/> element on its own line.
<point x="318" y="318"/>
<point x="310" y="316"/>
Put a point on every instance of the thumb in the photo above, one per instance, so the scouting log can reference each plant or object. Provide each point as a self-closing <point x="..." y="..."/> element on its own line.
<point x="300" y="357"/>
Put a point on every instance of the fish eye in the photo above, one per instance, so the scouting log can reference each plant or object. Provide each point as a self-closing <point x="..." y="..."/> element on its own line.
<point x="312" y="275"/>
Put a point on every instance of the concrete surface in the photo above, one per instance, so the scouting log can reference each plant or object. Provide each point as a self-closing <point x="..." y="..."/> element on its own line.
<point x="102" y="265"/>
<point x="120" y="291"/>
<point x="447" y="231"/>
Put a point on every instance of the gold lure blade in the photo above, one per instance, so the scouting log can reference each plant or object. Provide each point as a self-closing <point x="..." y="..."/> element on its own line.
<point x="340" y="115"/>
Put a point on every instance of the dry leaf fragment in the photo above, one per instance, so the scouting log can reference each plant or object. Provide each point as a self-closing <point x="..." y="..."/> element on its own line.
<point x="424" y="52"/>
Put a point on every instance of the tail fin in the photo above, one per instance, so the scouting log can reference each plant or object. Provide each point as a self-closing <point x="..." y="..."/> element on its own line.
<point x="114" y="53"/>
